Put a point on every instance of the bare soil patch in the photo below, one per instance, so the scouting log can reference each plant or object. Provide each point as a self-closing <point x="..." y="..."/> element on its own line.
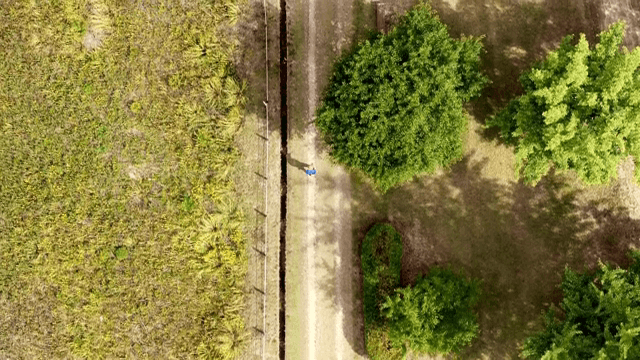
<point x="99" y="25"/>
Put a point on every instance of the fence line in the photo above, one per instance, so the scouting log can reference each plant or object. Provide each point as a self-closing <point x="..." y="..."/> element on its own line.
<point x="260" y="336"/>
<point x="266" y="174"/>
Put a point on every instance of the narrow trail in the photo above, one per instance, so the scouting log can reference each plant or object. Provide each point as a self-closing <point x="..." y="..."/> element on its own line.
<point x="310" y="139"/>
<point x="320" y="316"/>
<point x="342" y="224"/>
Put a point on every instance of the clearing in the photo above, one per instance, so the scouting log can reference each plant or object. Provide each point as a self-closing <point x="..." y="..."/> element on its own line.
<point x="475" y="216"/>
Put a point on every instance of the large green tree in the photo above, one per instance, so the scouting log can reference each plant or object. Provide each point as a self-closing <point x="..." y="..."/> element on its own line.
<point x="600" y="318"/>
<point x="580" y="110"/>
<point x="435" y="315"/>
<point x="394" y="107"/>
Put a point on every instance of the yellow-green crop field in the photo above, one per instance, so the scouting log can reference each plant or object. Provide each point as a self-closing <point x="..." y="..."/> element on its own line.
<point x="119" y="230"/>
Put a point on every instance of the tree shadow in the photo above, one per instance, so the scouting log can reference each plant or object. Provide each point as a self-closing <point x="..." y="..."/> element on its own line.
<point x="335" y="264"/>
<point x="252" y="177"/>
<point x="517" y="34"/>
<point x="364" y="22"/>
<point x="516" y="239"/>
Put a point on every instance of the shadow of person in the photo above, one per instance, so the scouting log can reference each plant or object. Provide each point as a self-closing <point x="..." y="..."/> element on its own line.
<point x="297" y="164"/>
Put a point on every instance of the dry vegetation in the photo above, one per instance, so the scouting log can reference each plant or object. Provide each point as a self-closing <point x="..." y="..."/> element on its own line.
<point x="119" y="232"/>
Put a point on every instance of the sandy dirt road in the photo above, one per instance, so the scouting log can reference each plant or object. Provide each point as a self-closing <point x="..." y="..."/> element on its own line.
<point x="322" y="317"/>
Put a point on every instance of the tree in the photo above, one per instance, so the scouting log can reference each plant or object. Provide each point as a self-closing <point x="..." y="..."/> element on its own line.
<point x="601" y="317"/>
<point x="580" y="111"/>
<point x="394" y="107"/>
<point x="435" y="315"/>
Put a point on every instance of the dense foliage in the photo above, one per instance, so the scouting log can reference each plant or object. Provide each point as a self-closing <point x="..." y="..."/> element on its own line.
<point x="118" y="237"/>
<point x="435" y="316"/>
<point x="394" y="107"/>
<point x="580" y="110"/>
<point x="381" y="257"/>
<point x="600" y="318"/>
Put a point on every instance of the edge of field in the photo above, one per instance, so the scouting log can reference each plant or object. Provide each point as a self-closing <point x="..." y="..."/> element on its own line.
<point x="254" y="171"/>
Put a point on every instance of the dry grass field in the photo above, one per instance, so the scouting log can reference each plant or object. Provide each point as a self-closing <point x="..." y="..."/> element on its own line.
<point x="120" y="232"/>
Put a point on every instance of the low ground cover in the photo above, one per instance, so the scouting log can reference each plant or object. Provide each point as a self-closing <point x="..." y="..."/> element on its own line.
<point x="381" y="257"/>
<point x="119" y="233"/>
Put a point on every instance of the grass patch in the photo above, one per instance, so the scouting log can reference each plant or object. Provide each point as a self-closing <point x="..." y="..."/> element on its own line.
<point x="119" y="231"/>
<point x="379" y="344"/>
<point x="364" y="19"/>
<point x="381" y="266"/>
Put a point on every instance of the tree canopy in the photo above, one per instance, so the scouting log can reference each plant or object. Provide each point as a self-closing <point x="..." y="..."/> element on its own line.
<point x="601" y="317"/>
<point x="580" y="110"/>
<point x="434" y="316"/>
<point x="394" y="107"/>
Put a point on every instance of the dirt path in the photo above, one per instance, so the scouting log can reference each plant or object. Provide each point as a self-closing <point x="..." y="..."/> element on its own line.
<point x="309" y="142"/>
<point x="321" y="321"/>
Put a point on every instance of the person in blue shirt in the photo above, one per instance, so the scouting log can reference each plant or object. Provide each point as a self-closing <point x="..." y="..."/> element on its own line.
<point x="310" y="172"/>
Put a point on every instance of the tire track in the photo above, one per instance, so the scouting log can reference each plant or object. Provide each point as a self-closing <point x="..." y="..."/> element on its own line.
<point x="312" y="187"/>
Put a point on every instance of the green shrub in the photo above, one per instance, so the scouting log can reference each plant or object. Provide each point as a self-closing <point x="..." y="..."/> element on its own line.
<point x="394" y="107"/>
<point x="600" y="317"/>
<point x="435" y="316"/>
<point x="381" y="258"/>
<point x="580" y="111"/>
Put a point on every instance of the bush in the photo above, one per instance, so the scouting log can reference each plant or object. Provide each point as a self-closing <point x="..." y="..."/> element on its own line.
<point x="394" y="107"/>
<point x="579" y="111"/>
<point x="381" y="264"/>
<point x="435" y="315"/>
<point x="600" y="317"/>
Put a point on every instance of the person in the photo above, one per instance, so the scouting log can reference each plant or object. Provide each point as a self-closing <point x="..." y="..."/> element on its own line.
<point x="310" y="172"/>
